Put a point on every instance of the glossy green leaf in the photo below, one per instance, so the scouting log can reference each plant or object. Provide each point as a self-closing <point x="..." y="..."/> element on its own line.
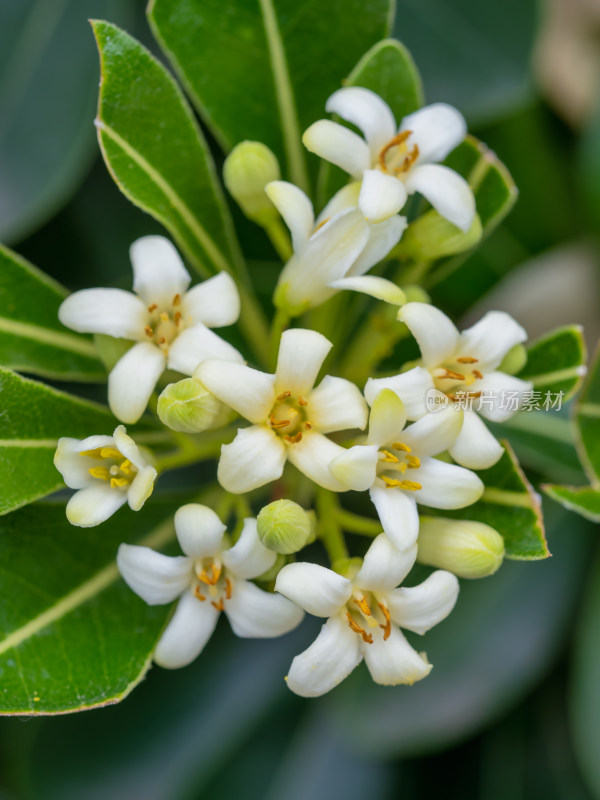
<point x="46" y="136"/>
<point x="33" y="418"/>
<point x="587" y="423"/>
<point x="74" y="636"/>
<point x="263" y="69"/>
<point x="583" y="500"/>
<point x="31" y="337"/>
<point x="556" y="363"/>
<point x="156" y="153"/>
<point x="510" y="505"/>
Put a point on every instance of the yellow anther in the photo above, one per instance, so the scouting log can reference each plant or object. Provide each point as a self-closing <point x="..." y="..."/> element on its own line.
<point x="96" y="453"/>
<point x="467" y="360"/>
<point x="152" y="307"/>
<point x="176" y="300"/>
<point x="295" y="438"/>
<point x="470" y="380"/>
<point x="366" y="637"/>
<point x="399" y="139"/>
<point x="401" y="446"/>
<point x="292" y="413"/>
<point x="148" y="331"/>
<point x="110" y="452"/>
<point x="387" y="628"/>
<point x="283" y="396"/>
<point x="278" y="423"/>
<point x="198" y="594"/>
<point x="227" y="589"/>
<point x="413" y="461"/>
<point x="118" y="483"/>
<point x="411" y="486"/>
<point x="219" y="605"/>
<point x="449" y="374"/>
<point x="390" y="458"/>
<point x="308" y="425"/>
<point x="127" y="467"/>
<point x="99" y="472"/>
<point x="361" y="602"/>
<point x="302" y="401"/>
<point x="215" y="574"/>
<point x="477" y="374"/>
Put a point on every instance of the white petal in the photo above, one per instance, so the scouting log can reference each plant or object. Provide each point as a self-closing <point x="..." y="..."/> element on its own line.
<point x="490" y="339"/>
<point x="141" y="488"/>
<point x="199" y="530"/>
<point x="156" y="578"/>
<point x="128" y="448"/>
<point x="215" y="302"/>
<point x="72" y="465"/>
<point x="501" y="396"/>
<point x="381" y="196"/>
<point x="356" y="467"/>
<point x="435" y="432"/>
<point x="419" y="608"/>
<point x="249" y="558"/>
<point x="435" y="333"/>
<point x="475" y="447"/>
<point x="133" y="379"/>
<point x="411" y="387"/>
<point x="336" y="405"/>
<point x="383" y="236"/>
<point x="345" y="198"/>
<point x="93" y="505"/>
<point x="384" y="565"/>
<point x="316" y="589"/>
<point x="387" y="419"/>
<point x="254" y="613"/>
<point x="190" y="628"/>
<point x="295" y="208"/>
<point x="301" y="356"/>
<point x="380" y="288"/>
<point x="158" y="271"/>
<point x="246" y="390"/>
<point x="397" y="512"/>
<point x="255" y="457"/>
<point x="437" y="129"/>
<point x="394" y="661"/>
<point x="367" y="111"/>
<point x="339" y="145"/>
<point x="446" y="190"/>
<point x="446" y="485"/>
<point x="113" y="312"/>
<point x="329" y="659"/>
<point x="197" y="344"/>
<point x="313" y="455"/>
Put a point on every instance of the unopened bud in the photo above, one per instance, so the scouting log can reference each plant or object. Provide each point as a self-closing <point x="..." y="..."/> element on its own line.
<point x="284" y="526"/>
<point x="247" y="170"/>
<point x="514" y="361"/>
<point x="466" y="548"/>
<point x="431" y="236"/>
<point x="187" y="406"/>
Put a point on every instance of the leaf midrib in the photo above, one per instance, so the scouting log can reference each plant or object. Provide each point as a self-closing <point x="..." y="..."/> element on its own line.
<point x="63" y="341"/>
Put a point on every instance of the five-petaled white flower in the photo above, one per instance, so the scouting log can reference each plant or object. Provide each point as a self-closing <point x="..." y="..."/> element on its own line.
<point x="289" y="417"/>
<point x="170" y="324"/>
<point x="210" y="578"/>
<point x="109" y="471"/>
<point x="365" y="614"/>
<point x="334" y="251"/>
<point x="394" y="162"/>
<point x="464" y="368"/>
<point x="398" y="467"/>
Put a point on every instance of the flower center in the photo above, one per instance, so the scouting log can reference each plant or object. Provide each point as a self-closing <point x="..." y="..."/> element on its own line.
<point x="365" y="610"/>
<point x="288" y="417"/>
<point x="455" y="378"/>
<point x="396" y="158"/>
<point x="212" y="582"/>
<point x="116" y="469"/>
<point x="165" y="324"/>
<point x="394" y="463"/>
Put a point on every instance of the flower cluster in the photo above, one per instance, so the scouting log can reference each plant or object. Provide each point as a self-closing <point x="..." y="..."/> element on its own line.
<point x="380" y="438"/>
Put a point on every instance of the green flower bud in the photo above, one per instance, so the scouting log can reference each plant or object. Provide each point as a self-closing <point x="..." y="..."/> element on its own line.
<point x="466" y="548"/>
<point x="514" y="361"/>
<point x="431" y="236"/>
<point x="284" y="526"/>
<point x="247" y="170"/>
<point x="187" y="406"/>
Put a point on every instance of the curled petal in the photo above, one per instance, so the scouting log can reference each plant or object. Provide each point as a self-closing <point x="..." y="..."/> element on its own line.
<point x="339" y="145"/>
<point x="158" y="271"/>
<point x="190" y="628"/>
<point x="255" y="457"/>
<point x="437" y="129"/>
<point x="156" y="578"/>
<point x="447" y="191"/>
<point x="214" y="303"/>
<point x="249" y="558"/>
<point x="254" y="613"/>
<point x="384" y="565"/>
<point x="435" y="333"/>
<point x="72" y="465"/>
<point x="419" y="608"/>
<point x="295" y="208"/>
<point x="336" y="405"/>
<point x="133" y="379"/>
<point x="380" y="288"/>
<point x="113" y="312"/>
<point x="141" y="488"/>
<point x="316" y="589"/>
<point x="199" y="530"/>
<point x="367" y="111"/>
<point x="381" y="196"/>
<point x="394" y="661"/>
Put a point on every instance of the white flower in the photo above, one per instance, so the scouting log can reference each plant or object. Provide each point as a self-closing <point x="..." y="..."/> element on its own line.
<point x="394" y="162"/>
<point x="365" y="617"/>
<point x="398" y="467"/>
<point x="464" y="367"/>
<point x="108" y="471"/>
<point x="289" y="417"/>
<point x="340" y="244"/>
<point x="210" y="578"/>
<point x="170" y="324"/>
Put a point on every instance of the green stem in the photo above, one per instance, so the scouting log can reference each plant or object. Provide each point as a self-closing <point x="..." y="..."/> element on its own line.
<point x="280" y="238"/>
<point x="253" y="325"/>
<point x="330" y="532"/>
<point x="354" y="523"/>
<point x="191" y="452"/>
<point x="280" y="322"/>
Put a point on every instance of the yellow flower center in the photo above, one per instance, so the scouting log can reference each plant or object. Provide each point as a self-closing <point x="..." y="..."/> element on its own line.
<point x="115" y="469"/>
<point x="212" y="583"/>
<point x="165" y="323"/>
<point x="365" y="610"/>
<point x="393" y="463"/>
<point x="288" y="417"/>
<point x="456" y="377"/>
<point x="396" y="158"/>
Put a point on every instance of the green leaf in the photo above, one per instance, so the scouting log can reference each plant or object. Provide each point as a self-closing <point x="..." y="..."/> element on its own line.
<point x="74" y="636"/>
<point x="31" y="337"/>
<point x="583" y="500"/>
<point x="556" y="362"/>
<point x="262" y="70"/>
<point x="155" y="151"/>
<point x="587" y="423"/>
<point x="33" y="418"/>
<point x="46" y="140"/>
<point x="510" y="505"/>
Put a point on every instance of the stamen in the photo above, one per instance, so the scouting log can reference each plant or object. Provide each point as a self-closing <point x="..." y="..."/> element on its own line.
<point x="215" y="574"/>
<point x="118" y="483"/>
<point x="198" y="594"/>
<point x="477" y="374"/>
<point x="176" y="300"/>
<point x="412" y="461"/>
<point x="99" y="472"/>
<point x="450" y="374"/>
<point x="127" y="467"/>
<point x="361" y="602"/>
<point x="227" y="589"/>
<point x="162" y="340"/>
<point x="153" y="307"/>
<point x="390" y="458"/>
<point x="387" y="628"/>
<point x="96" y="453"/>
<point x="283" y="396"/>
<point x="308" y="425"/>
<point x="366" y="637"/>
<point x="401" y="446"/>
<point x="294" y="439"/>
<point x="398" y="139"/>
<point x="409" y="160"/>
<point x="177" y="317"/>
<point x="110" y="452"/>
<point x="412" y="486"/>
<point x="302" y="401"/>
<point x="148" y="331"/>
<point x="220" y="605"/>
<point x="467" y="360"/>
<point x="278" y="423"/>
